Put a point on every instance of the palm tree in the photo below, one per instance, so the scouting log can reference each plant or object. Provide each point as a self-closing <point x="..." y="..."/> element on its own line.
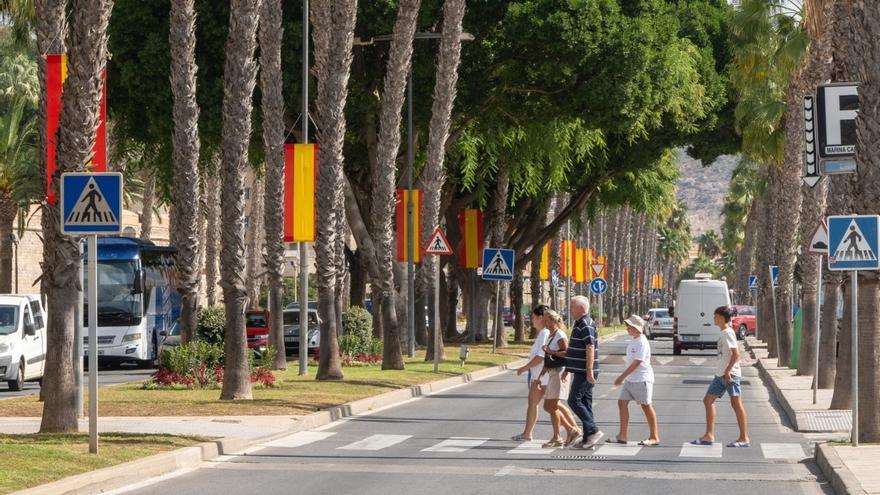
<point x="21" y="15"/>
<point x="253" y="241"/>
<point x="333" y="33"/>
<point x="709" y="244"/>
<point x="239" y="79"/>
<point x="271" y="34"/>
<point x="185" y="141"/>
<point x="77" y="130"/>
<point x="384" y="173"/>
<point x="212" y="235"/>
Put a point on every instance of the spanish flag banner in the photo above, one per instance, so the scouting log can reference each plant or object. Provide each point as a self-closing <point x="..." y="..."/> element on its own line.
<point x="544" y="270"/>
<point x="56" y="74"/>
<point x="402" y="203"/>
<point x="471" y="248"/>
<point x="639" y="281"/>
<point x="567" y="258"/>
<point x="299" y="192"/>
<point x="626" y="280"/>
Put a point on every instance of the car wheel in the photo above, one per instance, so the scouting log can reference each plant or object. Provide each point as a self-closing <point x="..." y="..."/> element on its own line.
<point x="18" y="383"/>
<point x="649" y="334"/>
<point x="743" y="330"/>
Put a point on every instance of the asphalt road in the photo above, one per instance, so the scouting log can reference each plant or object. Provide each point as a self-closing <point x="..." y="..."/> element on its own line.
<point x="110" y="376"/>
<point x="457" y="442"/>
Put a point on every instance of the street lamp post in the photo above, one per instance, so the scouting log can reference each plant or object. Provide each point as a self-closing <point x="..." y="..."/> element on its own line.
<point x="14" y="239"/>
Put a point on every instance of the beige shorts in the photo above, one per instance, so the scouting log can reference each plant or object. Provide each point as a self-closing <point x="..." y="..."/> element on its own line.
<point x="556" y="389"/>
<point x="640" y="392"/>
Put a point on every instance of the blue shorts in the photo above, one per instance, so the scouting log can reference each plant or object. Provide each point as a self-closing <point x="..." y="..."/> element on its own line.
<point x="718" y="387"/>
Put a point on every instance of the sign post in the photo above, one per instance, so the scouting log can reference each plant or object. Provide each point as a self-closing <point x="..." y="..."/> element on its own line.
<point x="854" y="243"/>
<point x="773" y="271"/>
<point x="819" y="246"/>
<point x="498" y="265"/>
<point x="437" y="246"/>
<point x="91" y="204"/>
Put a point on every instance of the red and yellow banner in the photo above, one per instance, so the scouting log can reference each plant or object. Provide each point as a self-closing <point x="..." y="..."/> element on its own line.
<point x="56" y="74"/>
<point x="567" y="253"/>
<point x="403" y="198"/>
<point x="300" y="167"/>
<point x="471" y="248"/>
<point x="626" y="280"/>
<point x="580" y="265"/>
<point x="639" y="281"/>
<point x="544" y="270"/>
<point x="657" y="281"/>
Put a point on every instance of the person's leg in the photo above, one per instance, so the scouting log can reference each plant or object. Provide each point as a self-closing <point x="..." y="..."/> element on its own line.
<point x="587" y="401"/>
<point x="651" y="417"/>
<point x="535" y="396"/>
<point x="550" y="406"/>
<point x="709" y="403"/>
<point x="568" y="414"/>
<point x="741" y="418"/>
<point x="623" y="408"/>
<point x="574" y="396"/>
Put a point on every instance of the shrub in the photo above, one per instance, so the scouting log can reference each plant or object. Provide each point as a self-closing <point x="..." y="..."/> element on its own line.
<point x="212" y="324"/>
<point x="357" y="338"/>
<point x="200" y="364"/>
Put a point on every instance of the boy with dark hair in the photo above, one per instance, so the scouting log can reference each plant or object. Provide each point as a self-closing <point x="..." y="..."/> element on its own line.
<point x="727" y="379"/>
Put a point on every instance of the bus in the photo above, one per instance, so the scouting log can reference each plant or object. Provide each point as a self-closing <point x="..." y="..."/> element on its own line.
<point x="137" y="299"/>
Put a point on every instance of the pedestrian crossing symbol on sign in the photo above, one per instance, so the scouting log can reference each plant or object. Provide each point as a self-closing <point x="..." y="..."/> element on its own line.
<point x="91" y="203"/>
<point x="498" y="264"/>
<point x="853" y="242"/>
<point x="438" y="244"/>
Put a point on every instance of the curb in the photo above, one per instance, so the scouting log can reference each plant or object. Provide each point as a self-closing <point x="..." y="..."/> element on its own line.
<point x="128" y="473"/>
<point x="841" y="478"/>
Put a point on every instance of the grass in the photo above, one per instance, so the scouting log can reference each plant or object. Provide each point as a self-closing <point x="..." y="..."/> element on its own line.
<point x="31" y="460"/>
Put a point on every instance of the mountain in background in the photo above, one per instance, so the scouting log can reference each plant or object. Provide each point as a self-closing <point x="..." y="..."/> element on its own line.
<point x="703" y="188"/>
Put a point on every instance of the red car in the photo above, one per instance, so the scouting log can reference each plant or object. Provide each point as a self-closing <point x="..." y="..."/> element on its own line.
<point x="257" y="322"/>
<point x="744" y="322"/>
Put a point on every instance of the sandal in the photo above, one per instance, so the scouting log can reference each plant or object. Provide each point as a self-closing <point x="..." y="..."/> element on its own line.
<point x="552" y="444"/>
<point x="574" y="435"/>
<point x="649" y="443"/>
<point x="616" y="440"/>
<point x="738" y="444"/>
<point x="521" y="438"/>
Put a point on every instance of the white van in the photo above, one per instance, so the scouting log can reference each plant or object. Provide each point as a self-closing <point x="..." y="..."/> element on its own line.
<point x="22" y="340"/>
<point x="695" y="305"/>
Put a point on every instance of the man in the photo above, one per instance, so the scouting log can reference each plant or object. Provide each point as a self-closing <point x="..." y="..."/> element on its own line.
<point x="727" y="379"/>
<point x="637" y="382"/>
<point x="582" y="362"/>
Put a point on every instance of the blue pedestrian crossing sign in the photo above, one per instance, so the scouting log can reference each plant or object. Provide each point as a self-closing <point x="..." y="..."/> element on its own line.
<point x="853" y="242"/>
<point x="753" y="282"/>
<point x="598" y="286"/>
<point x="91" y="203"/>
<point x="774" y="272"/>
<point x="498" y="264"/>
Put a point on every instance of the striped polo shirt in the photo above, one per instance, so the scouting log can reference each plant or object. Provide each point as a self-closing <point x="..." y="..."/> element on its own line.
<point x="583" y="334"/>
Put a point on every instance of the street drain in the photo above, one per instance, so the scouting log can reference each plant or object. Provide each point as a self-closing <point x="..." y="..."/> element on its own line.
<point x="581" y="457"/>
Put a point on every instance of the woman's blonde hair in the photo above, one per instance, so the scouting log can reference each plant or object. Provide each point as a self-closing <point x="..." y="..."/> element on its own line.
<point x="556" y="318"/>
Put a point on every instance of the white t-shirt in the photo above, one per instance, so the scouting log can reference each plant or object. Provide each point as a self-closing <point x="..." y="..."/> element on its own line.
<point x="639" y="349"/>
<point x="537" y="350"/>
<point x="553" y="343"/>
<point x="726" y="345"/>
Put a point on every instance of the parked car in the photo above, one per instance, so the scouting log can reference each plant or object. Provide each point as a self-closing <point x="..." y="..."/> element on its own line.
<point x="695" y="305"/>
<point x="658" y="323"/>
<point x="170" y="339"/>
<point x="744" y="321"/>
<point x="22" y="340"/>
<point x="257" y="323"/>
<point x="507" y="316"/>
<point x="292" y="327"/>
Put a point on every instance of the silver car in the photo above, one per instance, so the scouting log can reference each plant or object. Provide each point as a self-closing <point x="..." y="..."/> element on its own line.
<point x="291" y="331"/>
<point x="658" y="323"/>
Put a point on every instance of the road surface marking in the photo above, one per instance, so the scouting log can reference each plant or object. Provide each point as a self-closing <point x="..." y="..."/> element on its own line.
<point x="664" y="360"/>
<point x="690" y="450"/>
<point x="618" y="449"/>
<point x="532" y="447"/>
<point x="299" y="439"/>
<point x="457" y="444"/>
<point x="787" y="451"/>
<point x="698" y="361"/>
<point x="506" y="470"/>
<point x="376" y="442"/>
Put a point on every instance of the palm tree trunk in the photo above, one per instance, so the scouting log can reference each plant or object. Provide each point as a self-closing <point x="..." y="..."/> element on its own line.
<point x="746" y="258"/>
<point x="829" y="330"/>
<point x="147" y="203"/>
<point x="8" y="209"/>
<point x="212" y="235"/>
<point x="399" y="61"/>
<point x="239" y="79"/>
<point x="842" y="398"/>
<point x="253" y="246"/>
<point x="333" y="35"/>
<point x="186" y="144"/>
<point x="77" y="130"/>
<point x="765" y="254"/>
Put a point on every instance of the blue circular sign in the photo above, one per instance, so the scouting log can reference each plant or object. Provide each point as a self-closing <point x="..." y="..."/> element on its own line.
<point x="598" y="286"/>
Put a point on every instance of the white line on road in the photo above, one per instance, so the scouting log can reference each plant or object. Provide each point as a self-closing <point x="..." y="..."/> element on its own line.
<point x="299" y="439"/>
<point x="664" y="360"/>
<point x="376" y="442"/>
<point x="532" y="447"/>
<point x="698" y="361"/>
<point x="456" y="444"/>
<point x="618" y="450"/>
<point x="787" y="451"/>
<point x="505" y="470"/>
<point x="690" y="450"/>
<point x="151" y="481"/>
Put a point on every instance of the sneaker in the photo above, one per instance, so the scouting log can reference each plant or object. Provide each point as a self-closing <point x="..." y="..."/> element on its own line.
<point x="592" y="439"/>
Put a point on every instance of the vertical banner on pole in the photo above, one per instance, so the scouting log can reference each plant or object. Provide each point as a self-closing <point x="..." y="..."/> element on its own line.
<point x="625" y="279"/>
<point x="403" y="196"/>
<point x="299" y="192"/>
<point x="471" y="248"/>
<point x="544" y="269"/>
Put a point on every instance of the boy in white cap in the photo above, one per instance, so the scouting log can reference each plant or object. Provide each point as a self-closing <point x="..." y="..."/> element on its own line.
<point x="637" y="383"/>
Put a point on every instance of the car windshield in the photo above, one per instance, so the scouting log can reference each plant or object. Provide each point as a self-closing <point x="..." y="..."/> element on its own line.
<point x="292" y="318"/>
<point x="745" y="311"/>
<point x="663" y="313"/>
<point x="257" y="320"/>
<point x="8" y="319"/>
<point x="117" y="305"/>
<point x="175" y="330"/>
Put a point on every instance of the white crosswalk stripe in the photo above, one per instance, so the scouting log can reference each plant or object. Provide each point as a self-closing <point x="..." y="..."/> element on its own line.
<point x="532" y="447"/>
<point x="618" y="450"/>
<point x="786" y="451"/>
<point x="698" y="361"/>
<point x="690" y="450"/>
<point x="299" y="439"/>
<point x="664" y="360"/>
<point x="376" y="442"/>
<point x="456" y="444"/>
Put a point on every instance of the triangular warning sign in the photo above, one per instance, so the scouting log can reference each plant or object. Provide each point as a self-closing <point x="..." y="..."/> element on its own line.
<point x="819" y="241"/>
<point x="598" y="268"/>
<point x="91" y="208"/>
<point x="497" y="266"/>
<point x="438" y="243"/>
<point x="853" y="246"/>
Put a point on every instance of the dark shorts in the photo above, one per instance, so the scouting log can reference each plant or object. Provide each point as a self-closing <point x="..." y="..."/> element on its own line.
<point x="718" y="387"/>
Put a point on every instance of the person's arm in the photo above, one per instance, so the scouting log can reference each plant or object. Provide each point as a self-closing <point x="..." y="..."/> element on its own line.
<point x="589" y="351"/>
<point x="628" y="371"/>
<point x="531" y="364"/>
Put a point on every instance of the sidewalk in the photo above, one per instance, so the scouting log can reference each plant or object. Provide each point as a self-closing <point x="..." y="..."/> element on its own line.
<point x="850" y="470"/>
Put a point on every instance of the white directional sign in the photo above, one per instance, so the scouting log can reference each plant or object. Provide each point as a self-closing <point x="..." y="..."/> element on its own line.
<point x="438" y="245"/>
<point x="853" y="242"/>
<point x="91" y="203"/>
<point x="598" y="286"/>
<point x="837" y="106"/>
<point x="753" y="281"/>
<point x="811" y="165"/>
<point x="498" y="264"/>
<point x="819" y="241"/>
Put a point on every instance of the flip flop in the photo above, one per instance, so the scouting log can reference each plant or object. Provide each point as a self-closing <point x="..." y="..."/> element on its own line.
<point x="734" y="445"/>
<point x="521" y="438"/>
<point x="616" y="440"/>
<point x="700" y="441"/>
<point x="649" y="443"/>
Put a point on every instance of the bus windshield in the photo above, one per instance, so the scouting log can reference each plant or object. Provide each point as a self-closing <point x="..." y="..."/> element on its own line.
<point x="117" y="304"/>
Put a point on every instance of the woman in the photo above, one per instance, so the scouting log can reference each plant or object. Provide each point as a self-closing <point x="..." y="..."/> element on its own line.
<point x="556" y="389"/>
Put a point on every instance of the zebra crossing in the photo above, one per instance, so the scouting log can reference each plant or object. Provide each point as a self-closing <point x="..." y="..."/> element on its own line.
<point x="532" y="448"/>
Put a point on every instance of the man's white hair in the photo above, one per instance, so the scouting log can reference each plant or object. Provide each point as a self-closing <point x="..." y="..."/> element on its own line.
<point x="581" y="301"/>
